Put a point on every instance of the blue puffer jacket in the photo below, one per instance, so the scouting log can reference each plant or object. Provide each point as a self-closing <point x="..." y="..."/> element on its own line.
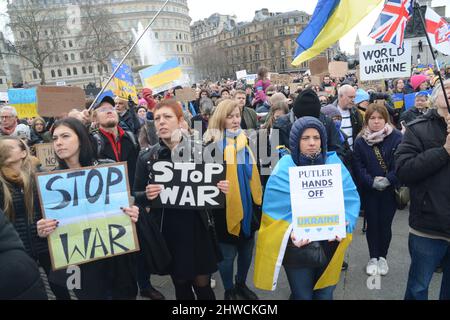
<point x="365" y="163"/>
<point x="296" y="133"/>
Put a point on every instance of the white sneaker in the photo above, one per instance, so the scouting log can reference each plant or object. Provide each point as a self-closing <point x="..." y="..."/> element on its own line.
<point x="383" y="267"/>
<point x="372" y="267"/>
<point x="213" y="283"/>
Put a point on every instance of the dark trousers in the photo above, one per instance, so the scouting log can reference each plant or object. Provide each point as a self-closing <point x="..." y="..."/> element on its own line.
<point x="380" y="209"/>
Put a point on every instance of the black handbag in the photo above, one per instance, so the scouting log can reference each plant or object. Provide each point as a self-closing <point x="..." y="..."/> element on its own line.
<point x="310" y="256"/>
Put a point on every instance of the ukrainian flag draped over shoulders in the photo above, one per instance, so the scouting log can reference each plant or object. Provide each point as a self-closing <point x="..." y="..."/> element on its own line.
<point x="276" y="226"/>
<point x="331" y="20"/>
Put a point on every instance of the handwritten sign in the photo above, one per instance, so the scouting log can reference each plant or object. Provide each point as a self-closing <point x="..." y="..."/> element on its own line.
<point x="251" y="79"/>
<point x="385" y="61"/>
<point x="241" y="74"/>
<point x="317" y="198"/>
<point x="87" y="203"/>
<point x="188" y="185"/>
<point x="46" y="155"/>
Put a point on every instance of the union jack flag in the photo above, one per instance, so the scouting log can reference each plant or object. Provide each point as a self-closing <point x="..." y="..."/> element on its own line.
<point x="390" y="26"/>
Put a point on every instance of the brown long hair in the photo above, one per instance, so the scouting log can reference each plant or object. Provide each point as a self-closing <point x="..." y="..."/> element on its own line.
<point x="372" y="108"/>
<point x="27" y="173"/>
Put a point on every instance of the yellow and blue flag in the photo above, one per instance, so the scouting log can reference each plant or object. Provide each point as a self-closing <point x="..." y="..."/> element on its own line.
<point x="331" y="20"/>
<point x="24" y="101"/>
<point x="161" y="77"/>
<point x="276" y="226"/>
<point x="122" y="84"/>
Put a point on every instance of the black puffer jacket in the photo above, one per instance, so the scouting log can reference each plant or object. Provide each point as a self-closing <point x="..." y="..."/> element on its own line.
<point x="20" y="278"/>
<point x="34" y="245"/>
<point x="423" y="165"/>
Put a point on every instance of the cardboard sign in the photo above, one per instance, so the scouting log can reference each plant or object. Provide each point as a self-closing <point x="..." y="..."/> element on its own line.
<point x="185" y="94"/>
<point x="316" y="80"/>
<point x="317" y="198"/>
<point x="87" y="203"/>
<point x="280" y="79"/>
<point x="188" y="185"/>
<point x="241" y="74"/>
<point x="385" y="61"/>
<point x="54" y="101"/>
<point x="318" y="65"/>
<point x="46" y="155"/>
<point x="338" y="69"/>
<point x="330" y="90"/>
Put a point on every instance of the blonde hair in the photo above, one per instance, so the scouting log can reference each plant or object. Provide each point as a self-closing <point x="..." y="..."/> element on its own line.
<point x="27" y="173"/>
<point x="216" y="124"/>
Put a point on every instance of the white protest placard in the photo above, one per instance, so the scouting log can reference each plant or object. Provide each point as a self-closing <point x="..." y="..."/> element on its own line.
<point x="317" y="197"/>
<point x="251" y="79"/>
<point x="385" y="61"/>
<point x="241" y="74"/>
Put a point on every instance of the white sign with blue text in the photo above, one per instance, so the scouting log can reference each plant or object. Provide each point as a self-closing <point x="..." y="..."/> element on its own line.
<point x="317" y="198"/>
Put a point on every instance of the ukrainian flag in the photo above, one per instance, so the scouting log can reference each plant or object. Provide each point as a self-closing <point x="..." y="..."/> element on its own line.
<point x="162" y="76"/>
<point x="276" y="226"/>
<point x="24" y="101"/>
<point x="123" y="84"/>
<point x="331" y="20"/>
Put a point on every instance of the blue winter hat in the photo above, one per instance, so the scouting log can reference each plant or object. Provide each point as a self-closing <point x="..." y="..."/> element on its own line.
<point x="361" y="96"/>
<point x="297" y="130"/>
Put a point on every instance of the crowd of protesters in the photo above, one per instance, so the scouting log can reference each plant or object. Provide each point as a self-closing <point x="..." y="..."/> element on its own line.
<point x="380" y="143"/>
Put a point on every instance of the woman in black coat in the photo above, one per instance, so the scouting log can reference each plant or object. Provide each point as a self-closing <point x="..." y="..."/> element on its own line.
<point x="17" y="180"/>
<point x="374" y="169"/>
<point x="186" y="232"/>
<point x="110" y="278"/>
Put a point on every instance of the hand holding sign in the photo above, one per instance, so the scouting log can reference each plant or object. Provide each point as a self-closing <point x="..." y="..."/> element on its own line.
<point x="299" y="243"/>
<point x="132" y="212"/>
<point x="46" y="227"/>
<point x="152" y="191"/>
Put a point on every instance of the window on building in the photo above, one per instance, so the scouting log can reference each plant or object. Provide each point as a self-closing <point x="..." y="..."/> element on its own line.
<point x="70" y="44"/>
<point x="281" y="32"/>
<point x="82" y="56"/>
<point x="83" y="69"/>
<point x="68" y="71"/>
<point x="72" y="56"/>
<point x="50" y="59"/>
<point x="57" y="58"/>
<point x="64" y="44"/>
<point x="156" y="35"/>
<point x="75" y="71"/>
<point x="98" y="68"/>
<point x="53" y="73"/>
<point x="59" y="73"/>
<point x="105" y="68"/>
<point x="90" y="69"/>
<point x="1" y="81"/>
<point x="66" y="57"/>
<point x="34" y="75"/>
<point x="22" y="35"/>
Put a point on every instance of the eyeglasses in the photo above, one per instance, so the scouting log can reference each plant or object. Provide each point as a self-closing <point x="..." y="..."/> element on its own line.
<point x="6" y="117"/>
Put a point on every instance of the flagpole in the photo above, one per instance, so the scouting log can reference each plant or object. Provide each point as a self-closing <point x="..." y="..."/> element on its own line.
<point x="417" y="7"/>
<point x="126" y="55"/>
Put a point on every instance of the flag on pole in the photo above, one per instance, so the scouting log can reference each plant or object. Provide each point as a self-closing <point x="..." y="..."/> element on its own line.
<point x="438" y="31"/>
<point x="162" y="77"/>
<point x="390" y="25"/>
<point x="122" y="84"/>
<point x="331" y="20"/>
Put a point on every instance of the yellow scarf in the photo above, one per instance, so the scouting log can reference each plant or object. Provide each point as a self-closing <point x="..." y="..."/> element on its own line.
<point x="234" y="210"/>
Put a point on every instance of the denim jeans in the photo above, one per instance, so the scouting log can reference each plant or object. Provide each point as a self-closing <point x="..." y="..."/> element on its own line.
<point x="426" y="255"/>
<point x="244" y="250"/>
<point x="302" y="282"/>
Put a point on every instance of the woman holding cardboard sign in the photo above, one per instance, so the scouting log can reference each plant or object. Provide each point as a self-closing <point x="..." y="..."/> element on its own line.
<point x="312" y="268"/>
<point x="237" y="225"/>
<point x="111" y="278"/>
<point x="17" y="176"/>
<point x="186" y="232"/>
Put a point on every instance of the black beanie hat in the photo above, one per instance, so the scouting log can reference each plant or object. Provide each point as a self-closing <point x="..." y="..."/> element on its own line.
<point x="307" y="104"/>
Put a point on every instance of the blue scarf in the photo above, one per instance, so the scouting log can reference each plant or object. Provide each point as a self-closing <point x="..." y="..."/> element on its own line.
<point x="244" y="172"/>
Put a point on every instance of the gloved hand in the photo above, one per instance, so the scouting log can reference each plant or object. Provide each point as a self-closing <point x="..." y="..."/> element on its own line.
<point x="380" y="183"/>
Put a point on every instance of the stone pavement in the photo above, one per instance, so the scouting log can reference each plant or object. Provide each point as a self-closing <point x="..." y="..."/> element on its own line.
<point x="353" y="283"/>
